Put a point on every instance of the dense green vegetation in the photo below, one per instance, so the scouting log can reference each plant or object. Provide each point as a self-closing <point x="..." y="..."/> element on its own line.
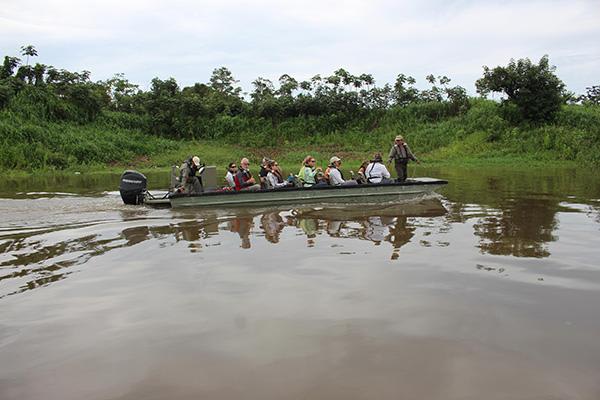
<point x="56" y="119"/>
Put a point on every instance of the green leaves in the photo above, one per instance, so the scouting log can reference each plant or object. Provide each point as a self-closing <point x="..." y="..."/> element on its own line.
<point x="222" y="81"/>
<point x="533" y="92"/>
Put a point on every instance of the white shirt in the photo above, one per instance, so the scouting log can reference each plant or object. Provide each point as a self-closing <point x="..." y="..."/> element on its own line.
<point x="273" y="182"/>
<point x="229" y="179"/>
<point x="375" y="172"/>
<point x="335" y="177"/>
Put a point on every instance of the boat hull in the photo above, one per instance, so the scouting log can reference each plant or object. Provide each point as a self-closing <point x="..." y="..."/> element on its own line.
<point x="328" y="194"/>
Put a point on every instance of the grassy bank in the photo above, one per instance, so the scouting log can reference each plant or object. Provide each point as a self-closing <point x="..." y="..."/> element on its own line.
<point x="116" y="140"/>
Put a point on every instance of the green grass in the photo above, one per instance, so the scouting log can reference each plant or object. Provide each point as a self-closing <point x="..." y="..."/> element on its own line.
<point x="117" y="141"/>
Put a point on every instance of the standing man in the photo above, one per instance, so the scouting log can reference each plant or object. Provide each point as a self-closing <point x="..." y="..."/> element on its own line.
<point x="400" y="153"/>
<point x="244" y="179"/>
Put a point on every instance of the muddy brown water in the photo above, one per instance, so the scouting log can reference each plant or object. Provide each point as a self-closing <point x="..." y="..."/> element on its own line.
<point x="490" y="290"/>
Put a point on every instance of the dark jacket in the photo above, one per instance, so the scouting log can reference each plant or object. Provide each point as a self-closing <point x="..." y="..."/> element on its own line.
<point x="187" y="172"/>
<point x="188" y="179"/>
<point x="241" y="179"/>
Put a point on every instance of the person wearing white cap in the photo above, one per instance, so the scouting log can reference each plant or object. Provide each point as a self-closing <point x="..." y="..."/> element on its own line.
<point x="335" y="175"/>
<point x="189" y="182"/>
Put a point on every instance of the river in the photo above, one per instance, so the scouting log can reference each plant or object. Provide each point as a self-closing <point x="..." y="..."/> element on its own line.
<point x="490" y="290"/>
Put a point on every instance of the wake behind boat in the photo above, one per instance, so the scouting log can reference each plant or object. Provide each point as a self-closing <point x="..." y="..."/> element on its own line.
<point x="133" y="190"/>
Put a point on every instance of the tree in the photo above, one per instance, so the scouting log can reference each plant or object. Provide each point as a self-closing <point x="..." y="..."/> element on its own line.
<point x="381" y="98"/>
<point x="533" y="92"/>
<point x="345" y="77"/>
<point x="287" y="85"/>
<point x="435" y="94"/>
<point x="263" y="90"/>
<point x="222" y="81"/>
<point x="28" y="51"/>
<point x="404" y="90"/>
<point x="334" y="80"/>
<point x="367" y="79"/>
<point x="306" y="86"/>
<point x="25" y="73"/>
<point x="38" y="74"/>
<point x="8" y="67"/>
<point x="592" y="96"/>
<point x="120" y="92"/>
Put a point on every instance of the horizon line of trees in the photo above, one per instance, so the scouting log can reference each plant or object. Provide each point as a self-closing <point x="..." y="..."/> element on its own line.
<point x="531" y="93"/>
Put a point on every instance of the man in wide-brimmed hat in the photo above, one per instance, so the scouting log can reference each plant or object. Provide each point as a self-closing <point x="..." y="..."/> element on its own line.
<point x="401" y="154"/>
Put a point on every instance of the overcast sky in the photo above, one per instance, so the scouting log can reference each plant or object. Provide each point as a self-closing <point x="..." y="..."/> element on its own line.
<point x="188" y="39"/>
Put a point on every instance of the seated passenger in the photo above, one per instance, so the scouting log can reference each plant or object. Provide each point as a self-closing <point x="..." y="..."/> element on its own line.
<point x="362" y="178"/>
<point x="321" y="179"/>
<point x="336" y="178"/>
<point x="244" y="179"/>
<point x="229" y="177"/>
<point x="277" y="172"/>
<point x="272" y="179"/>
<point x="308" y="172"/>
<point x="376" y="172"/>
<point x="262" y="174"/>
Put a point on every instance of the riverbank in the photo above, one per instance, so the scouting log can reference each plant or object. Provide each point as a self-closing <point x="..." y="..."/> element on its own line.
<point x="289" y="163"/>
<point x="117" y="141"/>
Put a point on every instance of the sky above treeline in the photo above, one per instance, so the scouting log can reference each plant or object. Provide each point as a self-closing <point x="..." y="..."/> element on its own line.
<point x="188" y="39"/>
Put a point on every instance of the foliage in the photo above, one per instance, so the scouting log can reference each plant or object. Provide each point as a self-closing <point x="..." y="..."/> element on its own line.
<point x="64" y="119"/>
<point x="534" y="93"/>
<point x="31" y="144"/>
<point x="592" y="96"/>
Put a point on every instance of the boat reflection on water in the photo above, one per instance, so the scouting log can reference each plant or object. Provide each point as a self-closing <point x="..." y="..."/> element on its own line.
<point x="38" y="257"/>
<point x="378" y="224"/>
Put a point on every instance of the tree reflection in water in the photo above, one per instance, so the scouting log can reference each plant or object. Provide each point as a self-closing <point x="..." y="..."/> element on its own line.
<point x="522" y="228"/>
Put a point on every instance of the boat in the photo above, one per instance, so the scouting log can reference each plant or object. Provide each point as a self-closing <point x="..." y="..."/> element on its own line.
<point x="133" y="191"/>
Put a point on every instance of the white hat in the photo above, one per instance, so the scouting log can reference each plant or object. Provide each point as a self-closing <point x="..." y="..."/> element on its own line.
<point x="196" y="161"/>
<point x="334" y="159"/>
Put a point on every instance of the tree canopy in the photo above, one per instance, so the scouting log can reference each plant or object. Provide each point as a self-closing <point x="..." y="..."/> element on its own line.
<point x="533" y="91"/>
<point x="326" y="103"/>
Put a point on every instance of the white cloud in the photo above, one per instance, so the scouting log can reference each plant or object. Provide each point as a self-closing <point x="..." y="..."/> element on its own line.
<point x="187" y="39"/>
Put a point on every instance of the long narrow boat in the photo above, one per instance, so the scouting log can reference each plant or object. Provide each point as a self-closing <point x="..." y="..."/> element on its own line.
<point x="326" y="194"/>
<point x="133" y="191"/>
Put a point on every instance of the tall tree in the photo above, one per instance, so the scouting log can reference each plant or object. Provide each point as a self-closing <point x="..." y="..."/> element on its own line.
<point x="222" y="81"/>
<point x="404" y="90"/>
<point x="28" y="51"/>
<point x="263" y="90"/>
<point x="287" y="85"/>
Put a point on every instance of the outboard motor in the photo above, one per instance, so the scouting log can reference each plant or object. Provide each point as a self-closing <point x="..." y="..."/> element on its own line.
<point x="133" y="187"/>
